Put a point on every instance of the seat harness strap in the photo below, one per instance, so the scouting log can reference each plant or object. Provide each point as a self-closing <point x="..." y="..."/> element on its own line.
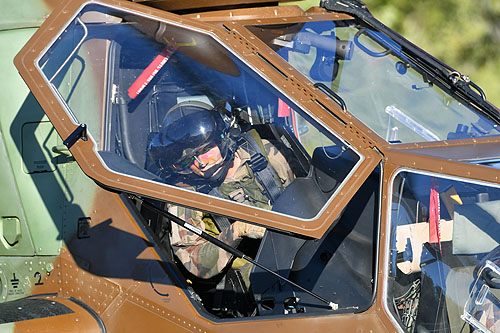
<point x="261" y="168"/>
<point x="220" y="221"/>
<point x="263" y="173"/>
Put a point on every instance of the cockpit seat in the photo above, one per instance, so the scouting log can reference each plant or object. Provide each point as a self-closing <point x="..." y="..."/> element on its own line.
<point x="305" y="196"/>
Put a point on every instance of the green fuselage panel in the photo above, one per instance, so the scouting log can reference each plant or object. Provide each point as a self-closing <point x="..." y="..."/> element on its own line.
<point x="44" y="192"/>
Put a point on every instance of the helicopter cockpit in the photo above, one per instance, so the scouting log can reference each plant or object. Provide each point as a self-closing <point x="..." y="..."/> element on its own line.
<point x="383" y="215"/>
<point x="117" y="74"/>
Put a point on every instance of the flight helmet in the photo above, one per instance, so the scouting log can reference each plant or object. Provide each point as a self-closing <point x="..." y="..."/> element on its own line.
<point x="188" y="130"/>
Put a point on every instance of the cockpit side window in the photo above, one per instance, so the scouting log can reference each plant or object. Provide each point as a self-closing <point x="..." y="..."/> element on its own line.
<point x="156" y="97"/>
<point x="445" y="236"/>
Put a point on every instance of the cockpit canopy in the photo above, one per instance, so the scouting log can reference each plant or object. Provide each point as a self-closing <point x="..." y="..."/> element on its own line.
<point x="116" y="74"/>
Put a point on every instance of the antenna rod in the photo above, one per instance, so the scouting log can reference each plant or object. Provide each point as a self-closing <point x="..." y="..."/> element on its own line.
<point x="230" y="249"/>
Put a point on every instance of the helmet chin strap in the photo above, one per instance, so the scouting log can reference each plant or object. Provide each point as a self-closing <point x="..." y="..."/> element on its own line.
<point x="218" y="172"/>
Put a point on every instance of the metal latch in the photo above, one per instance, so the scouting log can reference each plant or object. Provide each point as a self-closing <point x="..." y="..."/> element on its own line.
<point x="79" y="133"/>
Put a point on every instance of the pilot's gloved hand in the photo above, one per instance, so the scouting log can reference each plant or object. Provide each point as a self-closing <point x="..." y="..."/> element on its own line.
<point x="242" y="229"/>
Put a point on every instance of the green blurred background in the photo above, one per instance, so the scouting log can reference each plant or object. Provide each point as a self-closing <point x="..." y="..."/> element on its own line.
<point x="465" y="34"/>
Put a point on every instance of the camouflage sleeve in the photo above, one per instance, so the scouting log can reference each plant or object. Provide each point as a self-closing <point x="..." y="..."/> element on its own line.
<point x="200" y="257"/>
<point x="278" y="163"/>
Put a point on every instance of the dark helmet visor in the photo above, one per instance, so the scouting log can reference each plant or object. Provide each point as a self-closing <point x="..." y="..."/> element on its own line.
<point x="188" y="131"/>
<point x="184" y="165"/>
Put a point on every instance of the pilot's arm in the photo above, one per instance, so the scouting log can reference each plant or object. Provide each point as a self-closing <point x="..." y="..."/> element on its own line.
<point x="278" y="163"/>
<point x="200" y="257"/>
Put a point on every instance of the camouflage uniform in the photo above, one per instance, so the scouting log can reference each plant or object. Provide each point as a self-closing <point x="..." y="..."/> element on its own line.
<point x="202" y="258"/>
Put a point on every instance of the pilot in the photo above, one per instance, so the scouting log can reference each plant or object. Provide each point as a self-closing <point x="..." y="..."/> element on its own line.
<point x="200" y="148"/>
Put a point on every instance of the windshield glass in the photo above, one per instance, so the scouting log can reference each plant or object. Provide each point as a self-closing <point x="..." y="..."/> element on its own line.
<point x="377" y="82"/>
<point x="172" y="105"/>
<point x="445" y="253"/>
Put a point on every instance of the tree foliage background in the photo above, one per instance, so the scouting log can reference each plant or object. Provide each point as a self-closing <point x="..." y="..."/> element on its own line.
<point x="464" y="34"/>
